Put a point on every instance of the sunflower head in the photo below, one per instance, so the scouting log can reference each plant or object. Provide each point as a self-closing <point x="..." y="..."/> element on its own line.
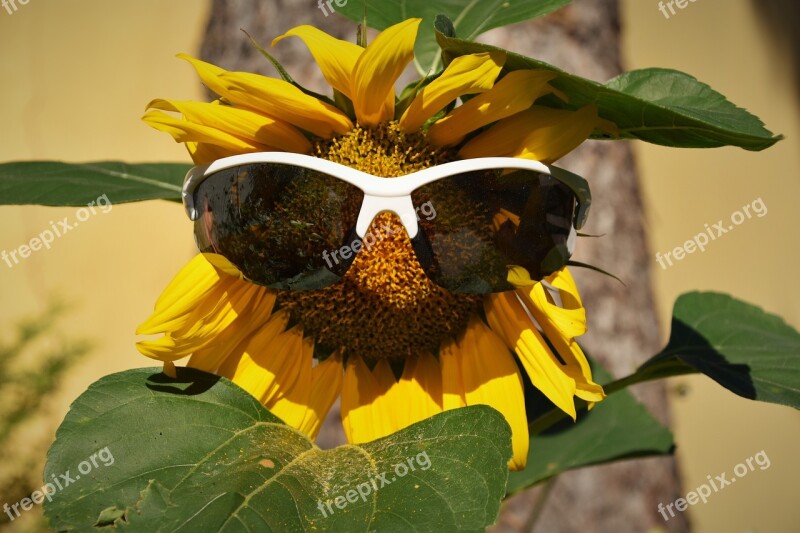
<point x="396" y="346"/>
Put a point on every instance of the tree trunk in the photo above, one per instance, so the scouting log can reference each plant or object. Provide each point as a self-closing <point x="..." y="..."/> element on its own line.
<point x="583" y="39"/>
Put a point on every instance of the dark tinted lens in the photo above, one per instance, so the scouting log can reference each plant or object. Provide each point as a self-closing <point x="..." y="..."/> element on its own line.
<point x="478" y="224"/>
<point x="277" y="223"/>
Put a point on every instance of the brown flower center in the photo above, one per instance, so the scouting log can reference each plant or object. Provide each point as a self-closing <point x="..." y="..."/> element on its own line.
<point x="385" y="306"/>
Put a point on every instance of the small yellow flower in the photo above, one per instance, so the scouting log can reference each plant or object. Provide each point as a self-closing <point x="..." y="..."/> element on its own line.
<point x="395" y="346"/>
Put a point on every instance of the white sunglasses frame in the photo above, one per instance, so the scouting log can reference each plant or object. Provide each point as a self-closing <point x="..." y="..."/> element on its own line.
<point x="380" y="194"/>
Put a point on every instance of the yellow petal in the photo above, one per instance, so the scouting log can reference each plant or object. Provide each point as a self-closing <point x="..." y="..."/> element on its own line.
<point x="558" y="133"/>
<point x="336" y="58"/>
<point x="326" y="385"/>
<point x="508" y="319"/>
<point x="452" y="381"/>
<point x="258" y="362"/>
<point x="514" y="93"/>
<point x="540" y="133"/>
<point x="204" y="153"/>
<point x="183" y="132"/>
<point x="273" y="97"/>
<point x="189" y="286"/>
<point x="577" y="367"/>
<point x="419" y="390"/>
<point x="377" y="70"/>
<point x="209" y="74"/>
<point x="209" y="358"/>
<point x="204" y="324"/>
<point x="221" y="263"/>
<point x="468" y="74"/>
<point x="289" y="400"/>
<point x="199" y="309"/>
<point x="279" y="98"/>
<point x="216" y="312"/>
<point x="563" y="281"/>
<point x="388" y="403"/>
<point x="568" y="318"/>
<point x="241" y="123"/>
<point x="491" y="377"/>
<point x="364" y="401"/>
<point x="560" y="323"/>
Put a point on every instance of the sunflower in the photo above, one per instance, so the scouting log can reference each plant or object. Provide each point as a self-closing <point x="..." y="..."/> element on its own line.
<point x="394" y="345"/>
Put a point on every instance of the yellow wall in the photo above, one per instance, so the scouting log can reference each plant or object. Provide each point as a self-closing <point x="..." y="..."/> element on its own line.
<point x="76" y="78"/>
<point x="722" y="43"/>
<point x="78" y="74"/>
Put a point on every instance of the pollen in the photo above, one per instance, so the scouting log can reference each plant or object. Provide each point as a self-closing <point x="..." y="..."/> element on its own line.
<point x="385" y="306"/>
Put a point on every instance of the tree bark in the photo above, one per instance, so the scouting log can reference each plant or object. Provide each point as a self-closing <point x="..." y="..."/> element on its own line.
<point x="582" y="39"/>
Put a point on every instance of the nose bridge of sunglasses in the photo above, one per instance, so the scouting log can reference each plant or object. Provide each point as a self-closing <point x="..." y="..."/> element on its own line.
<point x="402" y="206"/>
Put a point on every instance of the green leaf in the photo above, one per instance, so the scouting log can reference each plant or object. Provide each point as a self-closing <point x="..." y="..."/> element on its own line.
<point x="750" y="352"/>
<point x="660" y="106"/>
<point x="470" y="18"/>
<point x="672" y="108"/>
<point x="56" y="183"/>
<point x="200" y="454"/>
<point x="619" y="427"/>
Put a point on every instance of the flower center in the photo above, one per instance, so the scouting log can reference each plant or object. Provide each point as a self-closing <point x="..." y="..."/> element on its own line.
<point x="385" y="305"/>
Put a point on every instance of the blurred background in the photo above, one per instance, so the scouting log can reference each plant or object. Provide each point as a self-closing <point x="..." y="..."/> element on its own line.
<point x="76" y="78"/>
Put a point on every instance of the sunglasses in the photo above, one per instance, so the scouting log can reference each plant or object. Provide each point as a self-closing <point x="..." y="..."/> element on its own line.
<point x="293" y="221"/>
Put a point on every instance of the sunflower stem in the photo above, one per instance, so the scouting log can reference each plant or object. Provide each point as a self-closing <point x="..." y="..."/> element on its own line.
<point x="538" y="507"/>
<point x="647" y="373"/>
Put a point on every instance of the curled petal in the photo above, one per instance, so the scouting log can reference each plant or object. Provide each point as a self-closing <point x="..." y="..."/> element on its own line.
<point x="336" y="58"/>
<point x="279" y="98"/>
<point x="514" y="93"/>
<point x="200" y="308"/>
<point x="508" y="319"/>
<point x="241" y="123"/>
<point x="377" y="70"/>
<point x="468" y="74"/>
<point x="187" y="132"/>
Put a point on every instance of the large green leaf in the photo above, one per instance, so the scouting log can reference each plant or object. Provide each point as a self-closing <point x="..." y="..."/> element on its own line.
<point x="749" y="352"/>
<point x="470" y="18"/>
<point x="78" y="184"/>
<point x="200" y="454"/>
<point x="660" y="106"/>
<point x="618" y="427"/>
